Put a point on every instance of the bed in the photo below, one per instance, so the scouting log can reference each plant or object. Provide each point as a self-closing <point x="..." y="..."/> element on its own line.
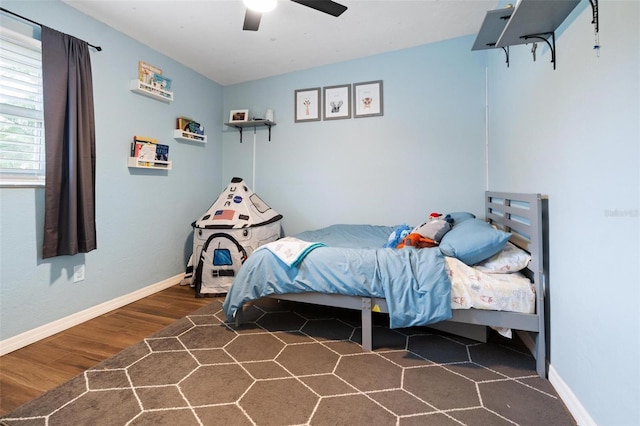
<point x="415" y="286"/>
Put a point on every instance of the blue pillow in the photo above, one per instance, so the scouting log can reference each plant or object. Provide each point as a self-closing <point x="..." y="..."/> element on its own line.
<point x="459" y="217"/>
<point x="473" y="241"/>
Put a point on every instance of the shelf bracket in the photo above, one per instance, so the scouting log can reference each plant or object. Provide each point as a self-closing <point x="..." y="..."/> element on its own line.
<point x="255" y="128"/>
<point x="269" y="126"/>
<point x="545" y="37"/>
<point x="505" y="49"/>
<point x="506" y="52"/>
<point x="595" y="21"/>
<point x="596" y="26"/>
<point x="255" y="124"/>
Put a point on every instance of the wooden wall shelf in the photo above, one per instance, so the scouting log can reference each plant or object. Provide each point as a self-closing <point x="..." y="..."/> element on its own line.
<point x="529" y="22"/>
<point x="254" y="123"/>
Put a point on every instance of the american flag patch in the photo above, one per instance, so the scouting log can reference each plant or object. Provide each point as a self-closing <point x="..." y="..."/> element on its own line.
<point x="223" y="215"/>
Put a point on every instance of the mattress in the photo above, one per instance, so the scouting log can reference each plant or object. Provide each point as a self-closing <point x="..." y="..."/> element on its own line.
<point x="353" y="262"/>
<point x="421" y="286"/>
<point x="470" y="288"/>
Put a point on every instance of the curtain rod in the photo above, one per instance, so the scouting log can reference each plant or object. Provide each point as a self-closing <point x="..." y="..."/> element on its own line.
<point x="98" y="48"/>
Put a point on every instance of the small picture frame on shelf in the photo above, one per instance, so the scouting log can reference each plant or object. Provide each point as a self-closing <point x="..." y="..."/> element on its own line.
<point x="337" y="102"/>
<point x="367" y="99"/>
<point x="307" y="105"/>
<point x="238" y="115"/>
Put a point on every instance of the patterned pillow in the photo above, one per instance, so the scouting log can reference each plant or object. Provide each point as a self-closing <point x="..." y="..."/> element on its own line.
<point x="510" y="259"/>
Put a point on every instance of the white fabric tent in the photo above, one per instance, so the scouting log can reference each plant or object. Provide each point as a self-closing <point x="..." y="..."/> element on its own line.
<point x="237" y="207"/>
<point x="236" y="224"/>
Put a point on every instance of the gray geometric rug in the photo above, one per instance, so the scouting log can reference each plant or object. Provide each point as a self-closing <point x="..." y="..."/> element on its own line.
<point x="300" y="364"/>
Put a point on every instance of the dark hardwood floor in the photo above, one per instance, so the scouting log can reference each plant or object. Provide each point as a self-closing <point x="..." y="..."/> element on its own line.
<point x="41" y="366"/>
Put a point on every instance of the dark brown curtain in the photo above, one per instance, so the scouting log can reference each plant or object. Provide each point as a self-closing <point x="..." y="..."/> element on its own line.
<point x="69" y="222"/>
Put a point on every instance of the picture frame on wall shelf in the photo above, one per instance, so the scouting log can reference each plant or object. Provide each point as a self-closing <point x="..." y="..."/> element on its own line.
<point x="368" y="99"/>
<point x="337" y="102"/>
<point x="307" y="105"/>
<point x="238" y="115"/>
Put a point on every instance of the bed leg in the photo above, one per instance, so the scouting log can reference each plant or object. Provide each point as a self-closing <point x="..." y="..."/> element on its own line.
<point x="536" y="344"/>
<point x="238" y="318"/>
<point x="541" y="356"/>
<point x="367" y="340"/>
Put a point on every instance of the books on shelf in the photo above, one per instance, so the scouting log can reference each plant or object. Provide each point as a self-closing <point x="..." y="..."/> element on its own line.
<point x="147" y="71"/>
<point x="145" y="151"/>
<point x="162" y="152"/>
<point x="148" y="152"/>
<point x="191" y="128"/>
<point x="182" y="123"/>
<point x="195" y="127"/>
<point x="153" y="81"/>
<point x="144" y="139"/>
<point x="161" y="82"/>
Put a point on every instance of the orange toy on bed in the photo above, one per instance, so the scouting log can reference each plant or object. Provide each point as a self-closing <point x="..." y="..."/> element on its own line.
<point x="416" y="240"/>
<point x="429" y="233"/>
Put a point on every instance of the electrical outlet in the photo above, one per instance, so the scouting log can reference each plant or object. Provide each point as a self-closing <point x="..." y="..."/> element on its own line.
<point x="78" y="273"/>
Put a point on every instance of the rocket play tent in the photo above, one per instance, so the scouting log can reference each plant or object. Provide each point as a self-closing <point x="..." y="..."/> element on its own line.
<point x="235" y="225"/>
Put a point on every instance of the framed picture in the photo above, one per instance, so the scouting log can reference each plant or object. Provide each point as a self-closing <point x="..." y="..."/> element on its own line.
<point x="337" y="102"/>
<point x="307" y="105"/>
<point x="238" y="115"/>
<point x="367" y="99"/>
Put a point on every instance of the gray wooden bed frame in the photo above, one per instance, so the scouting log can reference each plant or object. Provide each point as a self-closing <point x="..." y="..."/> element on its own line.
<point x="524" y="215"/>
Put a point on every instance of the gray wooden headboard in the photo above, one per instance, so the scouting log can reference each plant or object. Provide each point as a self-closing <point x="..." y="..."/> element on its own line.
<point x="525" y="216"/>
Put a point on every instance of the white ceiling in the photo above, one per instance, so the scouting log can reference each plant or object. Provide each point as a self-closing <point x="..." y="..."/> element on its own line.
<point x="207" y="35"/>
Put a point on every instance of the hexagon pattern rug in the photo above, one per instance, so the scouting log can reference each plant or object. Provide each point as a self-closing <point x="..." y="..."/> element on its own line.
<point x="300" y="364"/>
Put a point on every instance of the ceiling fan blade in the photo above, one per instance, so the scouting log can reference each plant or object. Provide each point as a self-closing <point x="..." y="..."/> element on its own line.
<point x="251" y="20"/>
<point x="326" y="6"/>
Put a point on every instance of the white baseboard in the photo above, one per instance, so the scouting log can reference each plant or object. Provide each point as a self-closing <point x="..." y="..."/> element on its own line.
<point x="28" y="337"/>
<point x="574" y="406"/>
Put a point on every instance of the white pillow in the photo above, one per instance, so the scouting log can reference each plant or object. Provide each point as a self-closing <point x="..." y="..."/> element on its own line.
<point x="510" y="259"/>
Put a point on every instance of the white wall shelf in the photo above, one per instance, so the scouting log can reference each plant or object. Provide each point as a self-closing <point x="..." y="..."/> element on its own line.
<point x="188" y="136"/>
<point x="137" y="163"/>
<point x="148" y="90"/>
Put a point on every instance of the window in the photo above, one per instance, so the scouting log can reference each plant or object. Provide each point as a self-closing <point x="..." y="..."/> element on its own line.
<point x="22" y="158"/>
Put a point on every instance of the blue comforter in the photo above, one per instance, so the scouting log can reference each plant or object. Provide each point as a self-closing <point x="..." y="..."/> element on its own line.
<point x="414" y="282"/>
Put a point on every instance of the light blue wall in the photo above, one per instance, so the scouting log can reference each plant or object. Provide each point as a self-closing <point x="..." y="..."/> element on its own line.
<point x="574" y="134"/>
<point x="143" y="217"/>
<point x="425" y="154"/>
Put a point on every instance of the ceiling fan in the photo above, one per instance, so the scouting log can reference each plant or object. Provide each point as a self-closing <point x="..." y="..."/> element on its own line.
<point x="252" y="15"/>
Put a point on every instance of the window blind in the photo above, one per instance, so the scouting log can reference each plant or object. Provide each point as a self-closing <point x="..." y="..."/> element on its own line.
<point x="22" y="155"/>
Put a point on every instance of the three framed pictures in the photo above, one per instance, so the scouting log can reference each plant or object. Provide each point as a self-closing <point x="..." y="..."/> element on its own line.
<point x="363" y="99"/>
